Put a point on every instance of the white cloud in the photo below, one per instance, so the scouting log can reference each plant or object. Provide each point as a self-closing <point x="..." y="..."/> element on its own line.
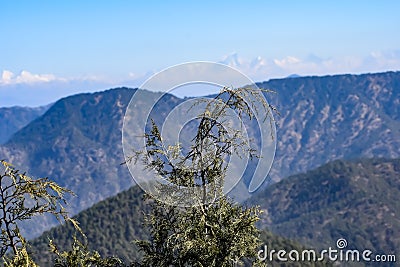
<point x="29" y="89"/>
<point x="26" y="77"/>
<point x="6" y="77"/>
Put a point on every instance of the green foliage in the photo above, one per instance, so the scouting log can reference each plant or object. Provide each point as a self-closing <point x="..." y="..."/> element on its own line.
<point x="21" y="198"/>
<point x="20" y="256"/>
<point x="208" y="229"/>
<point x="214" y="235"/>
<point x="80" y="256"/>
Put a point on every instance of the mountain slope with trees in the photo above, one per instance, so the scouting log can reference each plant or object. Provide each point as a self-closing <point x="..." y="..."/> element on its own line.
<point x="13" y="119"/>
<point x="334" y="117"/>
<point x="357" y="200"/>
<point x="77" y="142"/>
<point x="113" y="224"/>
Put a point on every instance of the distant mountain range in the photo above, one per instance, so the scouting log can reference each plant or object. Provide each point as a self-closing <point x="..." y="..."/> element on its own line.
<point x="293" y="76"/>
<point x="334" y="117"/>
<point x="77" y="141"/>
<point x="13" y="119"/>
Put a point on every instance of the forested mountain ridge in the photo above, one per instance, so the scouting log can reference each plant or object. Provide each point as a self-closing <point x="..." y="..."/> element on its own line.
<point x="358" y="200"/>
<point x="334" y="117"/>
<point x="112" y="226"/>
<point x="77" y="142"/>
<point x="12" y="119"/>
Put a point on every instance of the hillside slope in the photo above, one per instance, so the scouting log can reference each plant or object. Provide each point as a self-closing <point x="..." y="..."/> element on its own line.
<point x="357" y="200"/>
<point x="334" y="117"/>
<point x="112" y="225"/>
<point x="13" y="119"/>
<point x="77" y="142"/>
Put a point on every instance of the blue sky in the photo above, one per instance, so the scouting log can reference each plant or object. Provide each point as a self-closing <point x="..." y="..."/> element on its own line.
<point x="49" y="49"/>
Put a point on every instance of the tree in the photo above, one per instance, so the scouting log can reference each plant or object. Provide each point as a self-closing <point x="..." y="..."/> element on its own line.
<point x="192" y="222"/>
<point x="81" y="256"/>
<point x="22" y="198"/>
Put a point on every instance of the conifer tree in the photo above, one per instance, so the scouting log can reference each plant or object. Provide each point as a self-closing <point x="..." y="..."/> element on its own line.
<point x="22" y="198"/>
<point x="209" y="228"/>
